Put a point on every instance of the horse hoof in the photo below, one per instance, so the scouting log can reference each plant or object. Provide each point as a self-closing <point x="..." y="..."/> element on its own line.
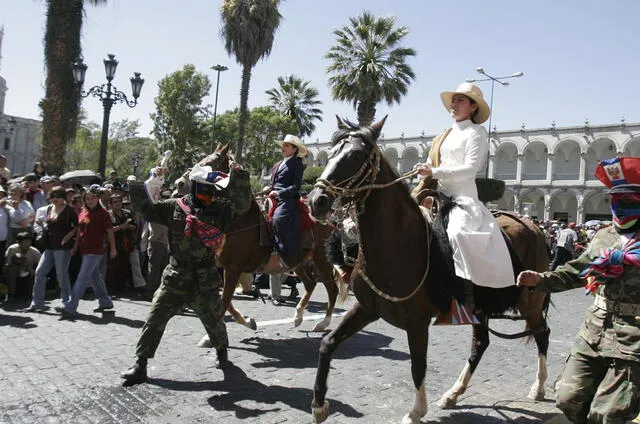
<point x="320" y="413"/>
<point x="204" y="341"/>
<point x="408" y="419"/>
<point x="321" y="326"/>
<point x="297" y="319"/>
<point x="252" y="324"/>
<point x="447" y="402"/>
<point x="536" y="393"/>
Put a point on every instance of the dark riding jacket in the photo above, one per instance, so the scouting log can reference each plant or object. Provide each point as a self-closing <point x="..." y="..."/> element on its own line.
<point x="286" y="179"/>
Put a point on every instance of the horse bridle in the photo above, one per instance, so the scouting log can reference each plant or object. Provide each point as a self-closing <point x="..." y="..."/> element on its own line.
<point x="354" y="185"/>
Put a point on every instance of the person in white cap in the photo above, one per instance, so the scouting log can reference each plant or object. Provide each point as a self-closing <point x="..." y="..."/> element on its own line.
<point x="286" y="180"/>
<point x="480" y="253"/>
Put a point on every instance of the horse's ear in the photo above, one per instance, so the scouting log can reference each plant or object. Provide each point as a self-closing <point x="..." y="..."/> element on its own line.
<point x="218" y="146"/>
<point x="341" y="124"/>
<point x="377" y="127"/>
<point x="224" y="149"/>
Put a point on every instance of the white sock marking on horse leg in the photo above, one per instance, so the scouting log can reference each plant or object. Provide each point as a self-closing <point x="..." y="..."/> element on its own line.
<point x="419" y="407"/>
<point x="537" y="391"/>
<point x="450" y="398"/>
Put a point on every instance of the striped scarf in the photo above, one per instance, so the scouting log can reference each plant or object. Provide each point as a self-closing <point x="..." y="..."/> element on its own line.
<point x="610" y="264"/>
<point x="209" y="235"/>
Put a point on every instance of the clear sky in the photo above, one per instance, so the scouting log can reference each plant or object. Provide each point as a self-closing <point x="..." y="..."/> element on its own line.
<point x="579" y="57"/>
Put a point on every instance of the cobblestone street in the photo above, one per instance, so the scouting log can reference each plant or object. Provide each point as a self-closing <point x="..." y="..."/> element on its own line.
<point x="60" y="371"/>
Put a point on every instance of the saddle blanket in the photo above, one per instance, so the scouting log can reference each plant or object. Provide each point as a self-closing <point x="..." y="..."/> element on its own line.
<point x="306" y="222"/>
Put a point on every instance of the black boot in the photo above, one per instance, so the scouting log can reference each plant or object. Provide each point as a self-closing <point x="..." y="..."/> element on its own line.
<point x="294" y="293"/>
<point x="137" y="373"/>
<point x="223" y="358"/>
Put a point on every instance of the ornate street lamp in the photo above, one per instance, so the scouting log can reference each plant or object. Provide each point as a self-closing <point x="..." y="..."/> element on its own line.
<point x="108" y="95"/>
<point x="499" y="80"/>
<point x="218" y="69"/>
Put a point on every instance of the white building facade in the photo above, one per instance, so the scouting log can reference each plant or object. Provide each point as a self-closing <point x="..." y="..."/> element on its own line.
<point x="549" y="172"/>
<point x="18" y="140"/>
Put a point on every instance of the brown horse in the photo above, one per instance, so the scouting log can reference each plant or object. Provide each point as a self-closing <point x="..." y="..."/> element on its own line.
<point x="245" y="251"/>
<point x="404" y="272"/>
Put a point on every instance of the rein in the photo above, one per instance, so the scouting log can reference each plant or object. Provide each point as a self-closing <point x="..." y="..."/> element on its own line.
<point x="394" y="298"/>
<point x="351" y="186"/>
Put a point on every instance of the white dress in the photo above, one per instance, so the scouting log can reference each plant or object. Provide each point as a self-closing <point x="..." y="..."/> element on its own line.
<point x="480" y="252"/>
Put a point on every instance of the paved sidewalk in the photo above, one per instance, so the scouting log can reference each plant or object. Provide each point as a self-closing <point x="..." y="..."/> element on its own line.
<point x="60" y="371"/>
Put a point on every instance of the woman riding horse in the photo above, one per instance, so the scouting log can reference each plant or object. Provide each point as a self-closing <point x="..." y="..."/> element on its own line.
<point x="405" y="274"/>
<point x="286" y="180"/>
<point x="480" y="253"/>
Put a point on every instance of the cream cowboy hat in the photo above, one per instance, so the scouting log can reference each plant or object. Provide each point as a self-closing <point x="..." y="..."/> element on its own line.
<point x="292" y="139"/>
<point x="474" y="93"/>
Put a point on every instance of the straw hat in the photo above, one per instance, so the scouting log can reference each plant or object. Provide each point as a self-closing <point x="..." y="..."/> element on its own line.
<point x="292" y="139"/>
<point x="474" y="93"/>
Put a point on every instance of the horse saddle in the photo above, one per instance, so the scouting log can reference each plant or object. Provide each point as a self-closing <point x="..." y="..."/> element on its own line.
<point x="307" y="239"/>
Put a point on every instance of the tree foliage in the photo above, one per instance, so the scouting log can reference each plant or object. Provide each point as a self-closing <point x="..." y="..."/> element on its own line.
<point x="61" y="101"/>
<point x="368" y="65"/>
<point x="179" y="123"/>
<point x="264" y="127"/>
<point x="296" y="98"/>
<point x="83" y="151"/>
<point x="248" y="30"/>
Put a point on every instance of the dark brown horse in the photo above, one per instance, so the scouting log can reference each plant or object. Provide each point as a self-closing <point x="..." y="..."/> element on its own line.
<point x="244" y="250"/>
<point x="404" y="272"/>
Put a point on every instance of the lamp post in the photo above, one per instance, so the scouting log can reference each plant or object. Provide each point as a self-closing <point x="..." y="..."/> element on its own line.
<point x="218" y="69"/>
<point x="108" y="95"/>
<point x="499" y="80"/>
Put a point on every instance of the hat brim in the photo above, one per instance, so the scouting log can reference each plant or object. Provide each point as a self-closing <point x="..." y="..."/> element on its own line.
<point x="302" y="149"/>
<point x="625" y="188"/>
<point x="483" y="108"/>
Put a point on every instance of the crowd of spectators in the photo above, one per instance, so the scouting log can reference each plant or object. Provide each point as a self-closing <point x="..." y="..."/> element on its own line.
<point x="567" y="240"/>
<point x="54" y="233"/>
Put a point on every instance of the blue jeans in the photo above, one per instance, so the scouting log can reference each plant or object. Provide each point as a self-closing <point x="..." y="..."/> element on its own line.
<point x="89" y="274"/>
<point x="50" y="258"/>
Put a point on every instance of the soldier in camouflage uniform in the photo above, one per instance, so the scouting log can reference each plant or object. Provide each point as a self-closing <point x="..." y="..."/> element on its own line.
<point x="601" y="379"/>
<point x="191" y="277"/>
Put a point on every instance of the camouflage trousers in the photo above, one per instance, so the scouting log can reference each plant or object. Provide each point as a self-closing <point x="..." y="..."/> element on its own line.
<point x="167" y="302"/>
<point x="596" y="389"/>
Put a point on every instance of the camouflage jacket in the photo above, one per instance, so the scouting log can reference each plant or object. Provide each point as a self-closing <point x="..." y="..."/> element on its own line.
<point x="611" y="334"/>
<point x="191" y="264"/>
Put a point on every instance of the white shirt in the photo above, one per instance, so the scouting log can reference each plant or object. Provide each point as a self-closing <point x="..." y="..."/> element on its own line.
<point x="480" y="253"/>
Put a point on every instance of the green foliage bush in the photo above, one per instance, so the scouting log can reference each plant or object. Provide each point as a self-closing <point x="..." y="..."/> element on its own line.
<point x="311" y="174"/>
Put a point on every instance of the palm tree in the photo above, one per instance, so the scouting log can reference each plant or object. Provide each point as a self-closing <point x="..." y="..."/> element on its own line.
<point x="368" y="64"/>
<point x="61" y="102"/>
<point x="296" y="98"/>
<point x="248" y="30"/>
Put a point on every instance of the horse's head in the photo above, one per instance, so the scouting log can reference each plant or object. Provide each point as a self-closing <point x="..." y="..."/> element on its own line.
<point x="354" y="161"/>
<point x="219" y="160"/>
